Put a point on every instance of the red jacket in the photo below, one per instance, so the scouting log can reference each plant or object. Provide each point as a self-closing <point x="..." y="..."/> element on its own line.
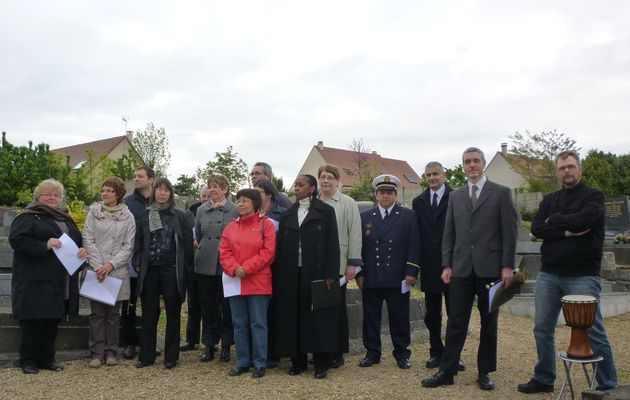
<point x="242" y="244"/>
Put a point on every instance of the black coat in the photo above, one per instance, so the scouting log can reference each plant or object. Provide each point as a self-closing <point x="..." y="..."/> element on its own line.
<point x="431" y="231"/>
<point x="297" y="328"/>
<point x="38" y="285"/>
<point x="182" y="227"/>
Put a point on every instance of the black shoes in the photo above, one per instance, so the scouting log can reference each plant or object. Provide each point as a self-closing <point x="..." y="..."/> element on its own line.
<point x="321" y="374"/>
<point x="433" y="362"/>
<point x="236" y="371"/>
<point x="187" y="346"/>
<point x="142" y="364"/>
<point x="170" y="364"/>
<point x="484" y="381"/>
<point x="258" y="372"/>
<point x="53" y="366"/>
<point x="225" y="354"/>
<point x="534" y="386"/>
<point x="208" y="354"/>
<point x="441" y="378"/>
<point x="368" y="362"/>
<point x="129" y="352"/>
<point x="30" y="369"/>
<point x="403" y="363"/>
<point x="296" y="370"/>
<point x="461" y="366"/>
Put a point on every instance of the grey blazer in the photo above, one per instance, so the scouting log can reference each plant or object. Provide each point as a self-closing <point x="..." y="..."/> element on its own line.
<point x="483" y="239"/>
<point x="209" y="225"/>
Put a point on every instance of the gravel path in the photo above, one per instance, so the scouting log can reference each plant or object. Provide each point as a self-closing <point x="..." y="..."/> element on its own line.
<point x="192" y="379"/>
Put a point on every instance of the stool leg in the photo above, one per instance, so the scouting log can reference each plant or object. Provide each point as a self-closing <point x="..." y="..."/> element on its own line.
<point x="594" y="373"/>
<point x="588" y="378"/>
<point x="567" y="379"/>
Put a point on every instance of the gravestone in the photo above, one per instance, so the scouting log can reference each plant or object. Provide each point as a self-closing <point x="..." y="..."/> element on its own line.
<point x="617" y="214"/>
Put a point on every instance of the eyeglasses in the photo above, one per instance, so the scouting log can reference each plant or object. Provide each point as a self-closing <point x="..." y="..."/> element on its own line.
<point x="255" y="173"/>
<point x="51" y="194"/>
<point x="108" y="191"/>
<point x="327" y="178"/>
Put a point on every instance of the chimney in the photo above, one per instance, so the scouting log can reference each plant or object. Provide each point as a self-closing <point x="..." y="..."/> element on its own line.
<point x="320" y="145"/>
<point x="504" y="149"/>
<point x="374" y="153"/>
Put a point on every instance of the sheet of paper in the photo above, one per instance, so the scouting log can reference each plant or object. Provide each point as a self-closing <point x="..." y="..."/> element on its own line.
<point x="231" y="286"/>
<point x="275" y="223"/>
<point x="67" y="254"/>
<point x="104" y="292"/>
<point x="404" y="287"/>
<point x="343" y="280"/>
<point x="493" y="292"/>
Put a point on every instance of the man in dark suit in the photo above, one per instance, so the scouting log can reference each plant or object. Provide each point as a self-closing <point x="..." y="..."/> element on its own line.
<point x="478" y="248"/>
<point x="390" y="253"/>
<point x="430" y="207"/>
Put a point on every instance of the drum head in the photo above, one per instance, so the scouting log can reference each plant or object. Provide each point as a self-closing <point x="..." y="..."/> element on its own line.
<point x="578" y="298"/>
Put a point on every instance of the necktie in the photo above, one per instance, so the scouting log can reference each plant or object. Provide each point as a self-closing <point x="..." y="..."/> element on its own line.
<point x="386" y="214"/>
<point x="473" y="198"/>
<point x="434" y="204"/>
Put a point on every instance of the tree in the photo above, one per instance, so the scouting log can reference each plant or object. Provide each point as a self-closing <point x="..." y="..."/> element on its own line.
<point x="607" y="171"/>
<point x="361" y="157"/>
<point x="363" y="169"/>
<point x="278" y="183"/>
<point x="187" y="186"/>
<point x="152" y="146"/>
<point x="23" y="167"/>
<point x="455" y="177"/>
<point x="539" y="151"/>
<point x="227" y="163"/>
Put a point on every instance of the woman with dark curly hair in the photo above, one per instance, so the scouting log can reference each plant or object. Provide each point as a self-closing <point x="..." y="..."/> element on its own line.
<point x="108" y="235"/>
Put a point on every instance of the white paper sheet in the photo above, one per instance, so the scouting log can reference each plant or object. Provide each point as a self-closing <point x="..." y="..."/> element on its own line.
<point x="404" y="287"/>
<point x="231" y="286"/>
<point x="343" y="280"/>
<point x="492" y="292"/>
<point x="67" y="254"/>
<point x="104" y="292"/>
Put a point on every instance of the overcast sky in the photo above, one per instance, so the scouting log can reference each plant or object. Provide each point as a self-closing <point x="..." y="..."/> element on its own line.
<point x="416" y="80"/>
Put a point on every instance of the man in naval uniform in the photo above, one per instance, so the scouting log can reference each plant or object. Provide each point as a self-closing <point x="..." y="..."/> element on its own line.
<point x="390" y="253"/>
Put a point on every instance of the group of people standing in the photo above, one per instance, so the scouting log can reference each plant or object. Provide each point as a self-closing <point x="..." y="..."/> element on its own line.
<point x="457" y="241"/>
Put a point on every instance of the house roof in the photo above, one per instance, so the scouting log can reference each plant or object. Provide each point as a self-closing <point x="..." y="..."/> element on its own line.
<point x="525" y="166"/>
<point x="99" y="147"/>
<point x="346" y="161"/>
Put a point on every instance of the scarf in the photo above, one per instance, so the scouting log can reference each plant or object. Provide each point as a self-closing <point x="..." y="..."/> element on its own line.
<point x="111" y="211"/>
<point x="155" y="222"/>
<point x="40" y="208"/>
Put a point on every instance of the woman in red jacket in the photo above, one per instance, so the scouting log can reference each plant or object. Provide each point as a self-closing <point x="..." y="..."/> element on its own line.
<point x="247" y="249"/>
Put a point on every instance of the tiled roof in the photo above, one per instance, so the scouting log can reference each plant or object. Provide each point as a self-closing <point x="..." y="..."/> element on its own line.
<point x="99" y="147"/>
<point x="346" y="161"/>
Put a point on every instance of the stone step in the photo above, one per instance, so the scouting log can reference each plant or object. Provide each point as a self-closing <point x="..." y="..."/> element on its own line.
<point x="612" y="304"/>
<point x="6" y="254"/>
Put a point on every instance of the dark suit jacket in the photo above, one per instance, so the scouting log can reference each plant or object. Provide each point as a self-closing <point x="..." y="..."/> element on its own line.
<point x="390" y="247"/>
<point x="484" y="238"/>
<point x="431" y="225"/>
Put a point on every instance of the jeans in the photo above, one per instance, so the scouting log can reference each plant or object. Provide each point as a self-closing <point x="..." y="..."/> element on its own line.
<point x="249" y="316"/>
<point x="549" y="291"/>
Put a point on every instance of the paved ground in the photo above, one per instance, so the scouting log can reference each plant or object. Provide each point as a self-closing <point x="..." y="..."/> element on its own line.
<point x="192" y="379"/>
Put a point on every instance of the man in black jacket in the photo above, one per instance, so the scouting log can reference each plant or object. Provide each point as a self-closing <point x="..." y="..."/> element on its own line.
<point x="430" y="206"/>
<point x="571" y="223"/>
<point x="136" y="202"/>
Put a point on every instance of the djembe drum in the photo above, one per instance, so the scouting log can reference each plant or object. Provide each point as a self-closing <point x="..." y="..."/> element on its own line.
<point x="579" y="314"/>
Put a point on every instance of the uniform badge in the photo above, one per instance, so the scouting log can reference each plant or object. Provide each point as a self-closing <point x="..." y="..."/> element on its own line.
<point x="368" y="228"/>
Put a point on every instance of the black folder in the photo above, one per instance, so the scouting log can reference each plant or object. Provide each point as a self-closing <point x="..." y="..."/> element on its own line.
<point x="499" y="295"/>
<point x="322" y="297"/>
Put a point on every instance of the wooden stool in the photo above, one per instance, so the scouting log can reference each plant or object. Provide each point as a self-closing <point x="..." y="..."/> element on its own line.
<point x="568" y="362"/>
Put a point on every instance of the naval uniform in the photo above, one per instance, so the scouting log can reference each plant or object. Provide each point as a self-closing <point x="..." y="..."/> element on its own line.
<point x="390" y="252"/>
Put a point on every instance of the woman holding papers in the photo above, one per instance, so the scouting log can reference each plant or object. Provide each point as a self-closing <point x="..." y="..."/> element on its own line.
<point x="108" y="236"/>
<point x="247" y="249"/>
<point x="350" y="242"/>
<point x="163" y="248"/>
<point x="42" y="292"/>
<point x="307" y="250"/>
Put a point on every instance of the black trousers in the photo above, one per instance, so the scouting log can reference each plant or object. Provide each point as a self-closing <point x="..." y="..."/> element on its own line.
<point x="38" y="342"/>
<point x="398" y="312"/>
<point x="128" y="333"/>
<point x="194" y="308"/>
<point x="160" y="280"/>
<point x="215" y="311"/>
<point x="433" y="320"/>
<point x="343" y="335"/>
<point x="462" y="293"/>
